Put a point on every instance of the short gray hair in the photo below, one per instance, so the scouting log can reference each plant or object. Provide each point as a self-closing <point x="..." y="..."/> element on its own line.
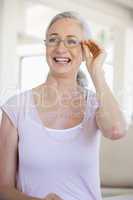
<point x="72" y="15"/>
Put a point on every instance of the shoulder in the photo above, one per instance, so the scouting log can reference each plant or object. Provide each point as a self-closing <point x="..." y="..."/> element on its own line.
<point x="14" y="105"/>
<point x="17" y="99"/>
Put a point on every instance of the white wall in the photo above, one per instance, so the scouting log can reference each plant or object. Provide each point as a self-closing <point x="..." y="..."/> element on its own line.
<point x="8" y="43"/>
<point x="100" y="11"/>
<point x="1" y="19"/>
<point x="128" y="71"/>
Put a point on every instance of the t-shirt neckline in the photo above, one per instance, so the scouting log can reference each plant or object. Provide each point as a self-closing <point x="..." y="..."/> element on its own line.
<point x="52" y="129"/>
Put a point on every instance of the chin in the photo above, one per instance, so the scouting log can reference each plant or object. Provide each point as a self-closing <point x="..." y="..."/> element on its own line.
<point x="61" y="68"/>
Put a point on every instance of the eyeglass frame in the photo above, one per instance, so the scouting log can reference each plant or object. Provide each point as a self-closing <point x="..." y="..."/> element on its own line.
<point x="60" y="40"/>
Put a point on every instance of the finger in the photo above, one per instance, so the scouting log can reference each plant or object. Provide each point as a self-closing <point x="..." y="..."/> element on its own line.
<point x="87" y="54"/>
<point x="94" y="48"/>
<point x="86" y="50"/>
<point x="56" y="197"/>
<point x="53" y="196"/>
<point x="96" y="43"/>
<point x="50" y="196"/>
<point x="94" y="52"/>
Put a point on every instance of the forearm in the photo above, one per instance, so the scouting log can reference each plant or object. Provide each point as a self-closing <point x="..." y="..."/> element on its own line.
<point x="109" y="115"/>
<point x="10" y="193"/>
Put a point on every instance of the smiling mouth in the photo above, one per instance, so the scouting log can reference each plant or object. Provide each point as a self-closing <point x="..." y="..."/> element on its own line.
<point x="62" y="60"/>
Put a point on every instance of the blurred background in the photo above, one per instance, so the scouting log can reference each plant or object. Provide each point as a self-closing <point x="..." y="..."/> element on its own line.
<point x="22" y="61"/>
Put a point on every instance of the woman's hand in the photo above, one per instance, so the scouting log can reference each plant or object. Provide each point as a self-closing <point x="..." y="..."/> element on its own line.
<point x="52" y="196"/>
<point x="94" y="55"/>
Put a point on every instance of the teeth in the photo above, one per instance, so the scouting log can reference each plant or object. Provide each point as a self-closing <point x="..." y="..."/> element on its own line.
<point x="62" y="60"/>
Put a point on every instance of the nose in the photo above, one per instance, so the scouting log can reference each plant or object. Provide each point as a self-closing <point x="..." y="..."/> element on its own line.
<point x="61" y="47"/>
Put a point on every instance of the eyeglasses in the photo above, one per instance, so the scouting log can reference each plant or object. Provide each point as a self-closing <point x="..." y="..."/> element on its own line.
<point x="69" y="42"/>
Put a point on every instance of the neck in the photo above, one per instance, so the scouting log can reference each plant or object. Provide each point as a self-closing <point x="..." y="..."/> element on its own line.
<point x="62" y="84"/>
<point x="55" y="88"/>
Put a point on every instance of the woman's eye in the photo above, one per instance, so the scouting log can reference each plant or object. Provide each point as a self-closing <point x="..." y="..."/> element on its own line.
<point x="72" y="41"/>
<point x="52" y="40"/>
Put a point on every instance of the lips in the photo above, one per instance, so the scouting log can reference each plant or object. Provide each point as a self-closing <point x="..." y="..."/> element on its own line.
<point x="62" y="60"/>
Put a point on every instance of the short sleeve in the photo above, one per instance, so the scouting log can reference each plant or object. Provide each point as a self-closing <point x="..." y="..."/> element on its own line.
<point x="11" y="108"/>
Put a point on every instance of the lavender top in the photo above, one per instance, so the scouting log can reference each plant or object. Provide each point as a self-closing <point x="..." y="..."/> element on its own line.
<point x="61" y="161"/>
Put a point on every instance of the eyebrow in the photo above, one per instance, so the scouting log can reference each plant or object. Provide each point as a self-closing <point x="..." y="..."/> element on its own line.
<point x="53" y="34"/>
<point x="58" y="34"/>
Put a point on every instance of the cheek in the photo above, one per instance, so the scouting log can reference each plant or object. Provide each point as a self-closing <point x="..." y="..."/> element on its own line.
<point x="48" y="54"/>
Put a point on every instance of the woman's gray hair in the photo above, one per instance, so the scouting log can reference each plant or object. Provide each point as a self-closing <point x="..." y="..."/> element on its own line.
<point x="72" y="15"/>
<point x="81" y="77"/>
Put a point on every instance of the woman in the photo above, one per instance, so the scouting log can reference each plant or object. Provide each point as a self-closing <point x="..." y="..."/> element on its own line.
<point x="51" y="138"/>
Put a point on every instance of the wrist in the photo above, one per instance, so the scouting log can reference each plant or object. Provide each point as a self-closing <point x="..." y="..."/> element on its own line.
<point x="97" y="71"/>
<point x="98" y="78"/>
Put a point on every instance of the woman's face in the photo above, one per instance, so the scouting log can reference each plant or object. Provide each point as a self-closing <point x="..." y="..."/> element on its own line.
<point x="63" y="58"/>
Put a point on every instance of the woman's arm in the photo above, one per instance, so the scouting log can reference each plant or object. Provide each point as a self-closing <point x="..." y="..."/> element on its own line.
<point x="8" y="161"/>
<point x="10" y="193"/>
<point x="109" y="117"/>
